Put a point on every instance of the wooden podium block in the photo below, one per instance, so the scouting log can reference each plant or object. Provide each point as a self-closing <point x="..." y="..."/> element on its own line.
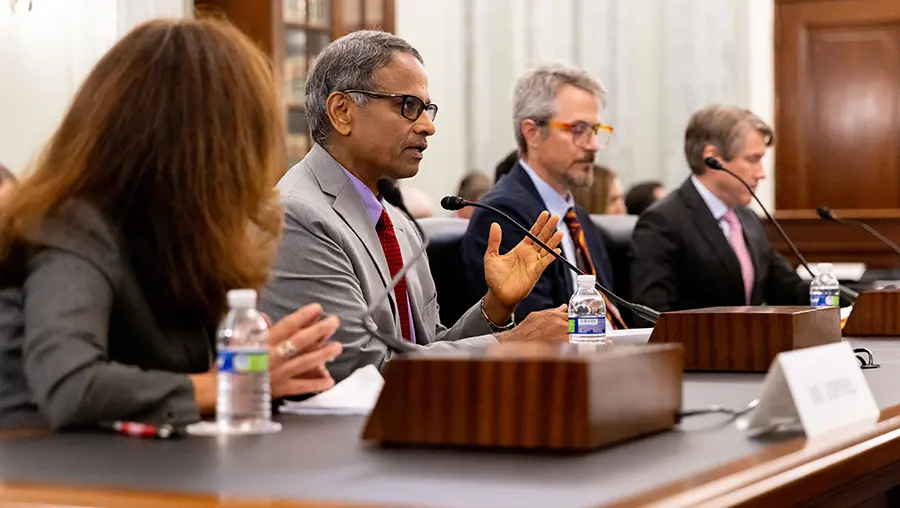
<point x="745" y="339"/>
<point x="875" y="313"/>
<point x="529" y="396"/>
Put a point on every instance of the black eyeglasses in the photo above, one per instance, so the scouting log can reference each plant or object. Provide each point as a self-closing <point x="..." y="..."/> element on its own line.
<point x="411" y="107"/>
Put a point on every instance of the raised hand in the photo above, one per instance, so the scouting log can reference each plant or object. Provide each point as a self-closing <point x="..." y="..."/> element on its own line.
<point x="511" y="277"/>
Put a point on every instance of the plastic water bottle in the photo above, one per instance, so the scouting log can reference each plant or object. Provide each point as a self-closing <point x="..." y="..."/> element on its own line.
<point x="242" y="348"/>
<point x="825" y="290"/>
<point x="587" y="313"/>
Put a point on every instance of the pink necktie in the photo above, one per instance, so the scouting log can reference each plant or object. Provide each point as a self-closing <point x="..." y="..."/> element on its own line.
<point x="736" y="237"/>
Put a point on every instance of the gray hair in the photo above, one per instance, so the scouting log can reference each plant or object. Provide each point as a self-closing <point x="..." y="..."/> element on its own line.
<point x="345" y="64"/>
<point x="535" y="94"/>
<point x="724" y="127"/>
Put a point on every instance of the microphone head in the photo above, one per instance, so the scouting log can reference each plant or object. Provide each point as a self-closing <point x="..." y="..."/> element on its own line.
<point x="454" y="203"/>
<point x="713" y="163"/>
<point x="391" y="193"/>
<point x="826" y="213"/>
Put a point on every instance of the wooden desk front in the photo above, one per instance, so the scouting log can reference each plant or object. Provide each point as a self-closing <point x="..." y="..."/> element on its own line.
<point x="320" y="461"/>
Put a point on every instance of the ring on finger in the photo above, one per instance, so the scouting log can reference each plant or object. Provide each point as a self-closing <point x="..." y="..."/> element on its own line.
<point x="286" y="349"/>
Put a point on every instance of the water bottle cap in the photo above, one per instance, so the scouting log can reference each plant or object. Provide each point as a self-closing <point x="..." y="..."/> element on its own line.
<point x="586" y="280"/>
<point x="242" y="299"/>
<point x="825" y="267"/>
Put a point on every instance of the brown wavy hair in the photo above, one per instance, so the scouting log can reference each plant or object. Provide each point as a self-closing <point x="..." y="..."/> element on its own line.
<point x="177" y="137"/>
<point x="596" y="197"/>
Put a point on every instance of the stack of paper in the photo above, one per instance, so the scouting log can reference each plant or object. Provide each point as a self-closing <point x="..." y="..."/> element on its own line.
<point x="355" y="395"/>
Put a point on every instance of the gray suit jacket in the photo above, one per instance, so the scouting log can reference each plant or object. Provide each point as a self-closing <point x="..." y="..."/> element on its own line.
<point x="330" y="254"/>
<point x="79" y="344"/>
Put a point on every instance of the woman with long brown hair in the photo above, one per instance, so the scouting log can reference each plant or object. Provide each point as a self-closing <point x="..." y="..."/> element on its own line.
<point x="154" y="197"/>
<point x="605" y="196"/>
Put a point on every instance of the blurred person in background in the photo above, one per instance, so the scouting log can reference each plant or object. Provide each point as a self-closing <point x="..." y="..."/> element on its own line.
<point x="642" y="195"/>
<point x="153" y="198"/>
<point x="472" y="187"/>
<point x="504" y="166"/>
<point x="419" y="204"/>
<point x="605" y="196"/>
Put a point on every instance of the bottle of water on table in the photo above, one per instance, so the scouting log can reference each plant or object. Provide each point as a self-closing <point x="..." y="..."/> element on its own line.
<point x="587" y="313"/>
<point x="243" y="405"/>
<point x="825" y="290"/>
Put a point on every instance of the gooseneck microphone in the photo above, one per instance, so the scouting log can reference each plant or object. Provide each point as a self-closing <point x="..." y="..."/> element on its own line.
<point x="713" y="163"/>
<point x="453" y="203"/>
<point x="828" y="214"/>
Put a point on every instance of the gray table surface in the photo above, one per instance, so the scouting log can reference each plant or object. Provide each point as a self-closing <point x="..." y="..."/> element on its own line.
<point x="322" y="458"/>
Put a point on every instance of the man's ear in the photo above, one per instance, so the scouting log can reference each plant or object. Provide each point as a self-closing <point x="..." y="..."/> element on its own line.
<point x="711" y="151"/>
<point x="532" y="132"/>
<point x="340" y="109"/>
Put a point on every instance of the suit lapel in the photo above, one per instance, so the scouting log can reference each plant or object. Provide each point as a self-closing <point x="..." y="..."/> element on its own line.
<point x="517" y="174"/>
<point x="349" y="206"/>
<point x="712" y="233"/>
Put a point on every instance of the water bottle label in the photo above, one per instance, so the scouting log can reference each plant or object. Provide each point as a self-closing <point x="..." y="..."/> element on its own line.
<point x="243" y="362"/>
<point x="587" y="325"/>
<point x="824" y="300"/>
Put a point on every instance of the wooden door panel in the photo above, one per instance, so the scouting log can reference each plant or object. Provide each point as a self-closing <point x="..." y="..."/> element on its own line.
<point x="853" y="139"/>
<point x="837" y="104"/>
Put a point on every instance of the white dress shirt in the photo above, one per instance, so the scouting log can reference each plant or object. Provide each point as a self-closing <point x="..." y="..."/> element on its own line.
<point x="715" y="205"/>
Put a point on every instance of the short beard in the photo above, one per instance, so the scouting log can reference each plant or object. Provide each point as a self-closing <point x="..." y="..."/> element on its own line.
<point x="575" y="181"/>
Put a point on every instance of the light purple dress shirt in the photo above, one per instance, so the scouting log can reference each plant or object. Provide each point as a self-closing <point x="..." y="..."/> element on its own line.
<point x="374" y="206"/>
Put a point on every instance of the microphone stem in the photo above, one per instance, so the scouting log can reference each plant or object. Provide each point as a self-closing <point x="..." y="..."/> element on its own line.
<point x="872" y="231"/>
<point x="847" y="291"/>
<point x="642" y="311"/>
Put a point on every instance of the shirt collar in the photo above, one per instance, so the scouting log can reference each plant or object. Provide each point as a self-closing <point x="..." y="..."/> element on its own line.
<point x="715" y="205"/>
<point x="556" y="204"/>
<point x="373" y="204"/>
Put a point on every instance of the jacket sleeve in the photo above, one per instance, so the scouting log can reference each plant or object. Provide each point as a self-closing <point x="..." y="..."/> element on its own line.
<point x="67" y="301"/>
<point x="313" y="267"/>
<point x="783" y="285"/>
<point x="653" y="263"/>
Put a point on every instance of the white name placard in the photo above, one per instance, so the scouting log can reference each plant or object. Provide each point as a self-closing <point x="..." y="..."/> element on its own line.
<point x="821" y="387"/>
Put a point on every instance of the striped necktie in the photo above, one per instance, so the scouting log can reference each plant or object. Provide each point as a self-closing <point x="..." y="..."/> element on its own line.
<point x="587" y="266"/>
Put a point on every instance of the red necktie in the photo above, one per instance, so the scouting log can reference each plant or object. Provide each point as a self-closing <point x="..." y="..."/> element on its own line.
<point x="391" y="248"/>
<point x="584" y="256"/>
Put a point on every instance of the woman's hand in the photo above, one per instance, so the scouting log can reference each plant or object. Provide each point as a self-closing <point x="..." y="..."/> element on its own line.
<point x="298" y="352"/>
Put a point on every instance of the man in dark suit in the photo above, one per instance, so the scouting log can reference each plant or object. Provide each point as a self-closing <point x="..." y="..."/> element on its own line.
<point x="701" y="246"/>
<point x="558" y="130"/>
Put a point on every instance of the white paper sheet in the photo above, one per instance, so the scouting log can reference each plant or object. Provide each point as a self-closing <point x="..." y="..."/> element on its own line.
<point x="843" y="271"/>
<point x="630" y="336"/>
<point x="355" y="395"/>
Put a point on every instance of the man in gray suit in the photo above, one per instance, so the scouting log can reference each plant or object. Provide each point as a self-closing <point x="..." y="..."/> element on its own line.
<point x="369" y="114"/>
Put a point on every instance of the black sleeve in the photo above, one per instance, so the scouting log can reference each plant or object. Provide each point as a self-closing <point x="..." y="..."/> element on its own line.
<point x="783" y="285"/>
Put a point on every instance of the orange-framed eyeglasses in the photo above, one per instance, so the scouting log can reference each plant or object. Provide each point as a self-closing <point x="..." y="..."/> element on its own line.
<point x="582" y="132"/>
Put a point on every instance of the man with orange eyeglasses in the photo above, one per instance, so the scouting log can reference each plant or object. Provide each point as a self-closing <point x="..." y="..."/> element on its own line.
<point x="558" y="129"/>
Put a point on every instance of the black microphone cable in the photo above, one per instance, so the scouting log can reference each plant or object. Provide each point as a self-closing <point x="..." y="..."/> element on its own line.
<point x="455" y="203"/>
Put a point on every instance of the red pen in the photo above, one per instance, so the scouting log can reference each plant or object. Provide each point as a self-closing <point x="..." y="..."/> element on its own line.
<point x="136" y="429"/>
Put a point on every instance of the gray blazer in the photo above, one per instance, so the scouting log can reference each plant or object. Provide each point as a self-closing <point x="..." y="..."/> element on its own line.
<point x="330" y="254"/>
<point x="79" y="344"/>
